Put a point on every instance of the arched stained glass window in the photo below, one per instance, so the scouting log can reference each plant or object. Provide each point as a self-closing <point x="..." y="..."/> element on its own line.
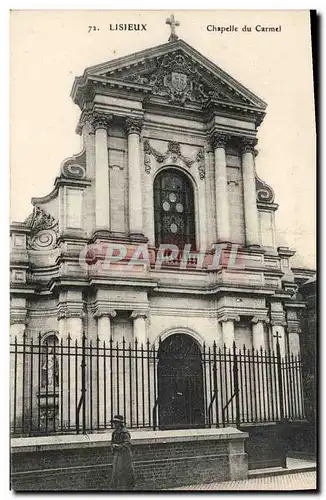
<point x="174" y="209"/>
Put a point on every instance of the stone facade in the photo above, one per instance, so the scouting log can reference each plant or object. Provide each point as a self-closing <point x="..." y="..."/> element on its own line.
<point x="137" y="120"/>
<point x="87" y="259"/>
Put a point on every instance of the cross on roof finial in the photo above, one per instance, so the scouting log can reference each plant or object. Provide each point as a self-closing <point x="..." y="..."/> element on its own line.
<point x="173" y="23"/>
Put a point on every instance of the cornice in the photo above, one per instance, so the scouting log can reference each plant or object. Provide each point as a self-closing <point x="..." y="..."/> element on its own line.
<point x="72" y="182"/>
<point x="267" y="206"/>
<point x="295" y="305"/>
<point x="45" y="199"/>
<point x="19" y="227"/>
<point x="285" y="252"/>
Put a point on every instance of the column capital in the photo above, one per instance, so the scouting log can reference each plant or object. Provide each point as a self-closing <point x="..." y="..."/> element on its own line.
<point x="278" y="322"/>
<point x="219" y="140"/>
<point x="139" y="314"/>
<point x="293" y="326"/>
<point x="99" y="120"/>
<point x="247" y="144"/>
<point x="229" y="317"/>
<point x="75" y="314"/>
<point x="18" y="317"/>
<point x="133" y="125"/>
<point x="257" y="319"/>
<point x="105" y="313"/>
<point x="64" y="312"/>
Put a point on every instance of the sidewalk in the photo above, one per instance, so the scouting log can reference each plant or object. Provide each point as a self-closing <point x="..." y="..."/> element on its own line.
<point x="294" y="482"/>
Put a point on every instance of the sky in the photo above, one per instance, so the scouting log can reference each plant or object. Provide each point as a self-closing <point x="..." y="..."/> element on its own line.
<point x="49" y="49"/>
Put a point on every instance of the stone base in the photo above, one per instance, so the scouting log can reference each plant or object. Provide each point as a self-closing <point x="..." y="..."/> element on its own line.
<point x="138" y="237"/>
<point x="162" y="460"/>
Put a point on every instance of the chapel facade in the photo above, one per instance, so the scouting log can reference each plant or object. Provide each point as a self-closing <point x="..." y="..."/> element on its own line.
<point x="160" y="228"/>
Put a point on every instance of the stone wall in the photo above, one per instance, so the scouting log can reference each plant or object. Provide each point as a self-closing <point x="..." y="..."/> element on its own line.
<point x="162" y="460"/>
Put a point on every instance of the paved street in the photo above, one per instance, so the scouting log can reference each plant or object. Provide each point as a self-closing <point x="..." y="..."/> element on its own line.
<point x="298" y="481"/>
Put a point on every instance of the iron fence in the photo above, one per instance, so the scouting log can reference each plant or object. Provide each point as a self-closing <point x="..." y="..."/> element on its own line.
<point x="76" y="386"/>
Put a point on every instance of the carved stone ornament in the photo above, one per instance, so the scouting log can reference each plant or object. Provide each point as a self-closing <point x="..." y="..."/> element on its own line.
<point x="278" y="322"/>
<point x="263" y="319"/>
<point x="173" y="153"/>
<point x="64" y="313"/>
<point x="139" y="314"/>
<point x="179" y="79"/>
<point x="74" y="171"/>
<point x="100" y="120"/>
<point x="219" y="140"/>
<point x="229" y="317"/>
<point x="44" y="230"/>
<point x="247" y="144"/>
<point x="264" y="192"/>
<point x="18" y="317"/>
<point x="109" y="313"/>
<point x="133" y="125"/>
<point x="200" y="158"/>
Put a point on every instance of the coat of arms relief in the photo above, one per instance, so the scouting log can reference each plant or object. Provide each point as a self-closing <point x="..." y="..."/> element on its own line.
<point x="178" y="78"/>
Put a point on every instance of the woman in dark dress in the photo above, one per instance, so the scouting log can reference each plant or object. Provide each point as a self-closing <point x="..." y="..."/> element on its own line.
<point x="123" y="475"/>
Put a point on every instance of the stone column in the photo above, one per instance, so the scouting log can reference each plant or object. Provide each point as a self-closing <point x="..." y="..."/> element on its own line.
<point x="100" y="124"/>
<point x="219" y="142"/>
<point x="139" y="330"/>
<point x="140" y="370"/>
<point x="133" y="129"/>
<point x="249" y="191"/>
<point x="225" y="380"/>
<point x="296" y="406"/>
<point x="101" y="371"/>
<point x="228" y="329"/>
<point x="104" y="331"/>
<point x="18" y="371"/>
<point x="294" y="330"/>
<point x="261" y="381"/>
<point x="258" y="333"/>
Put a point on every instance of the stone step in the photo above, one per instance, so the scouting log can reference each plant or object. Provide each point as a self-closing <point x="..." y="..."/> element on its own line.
<point x="294" y="465"/>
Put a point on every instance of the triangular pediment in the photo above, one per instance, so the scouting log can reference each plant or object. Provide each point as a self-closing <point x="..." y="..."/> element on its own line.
<point x="177" y="72"/>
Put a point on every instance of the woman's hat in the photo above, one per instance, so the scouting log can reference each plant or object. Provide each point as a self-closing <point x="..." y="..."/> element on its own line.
<point x="118" y="418"/>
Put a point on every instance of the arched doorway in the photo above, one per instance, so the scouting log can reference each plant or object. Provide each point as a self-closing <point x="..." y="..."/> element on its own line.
<point x="180" y="383"/>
